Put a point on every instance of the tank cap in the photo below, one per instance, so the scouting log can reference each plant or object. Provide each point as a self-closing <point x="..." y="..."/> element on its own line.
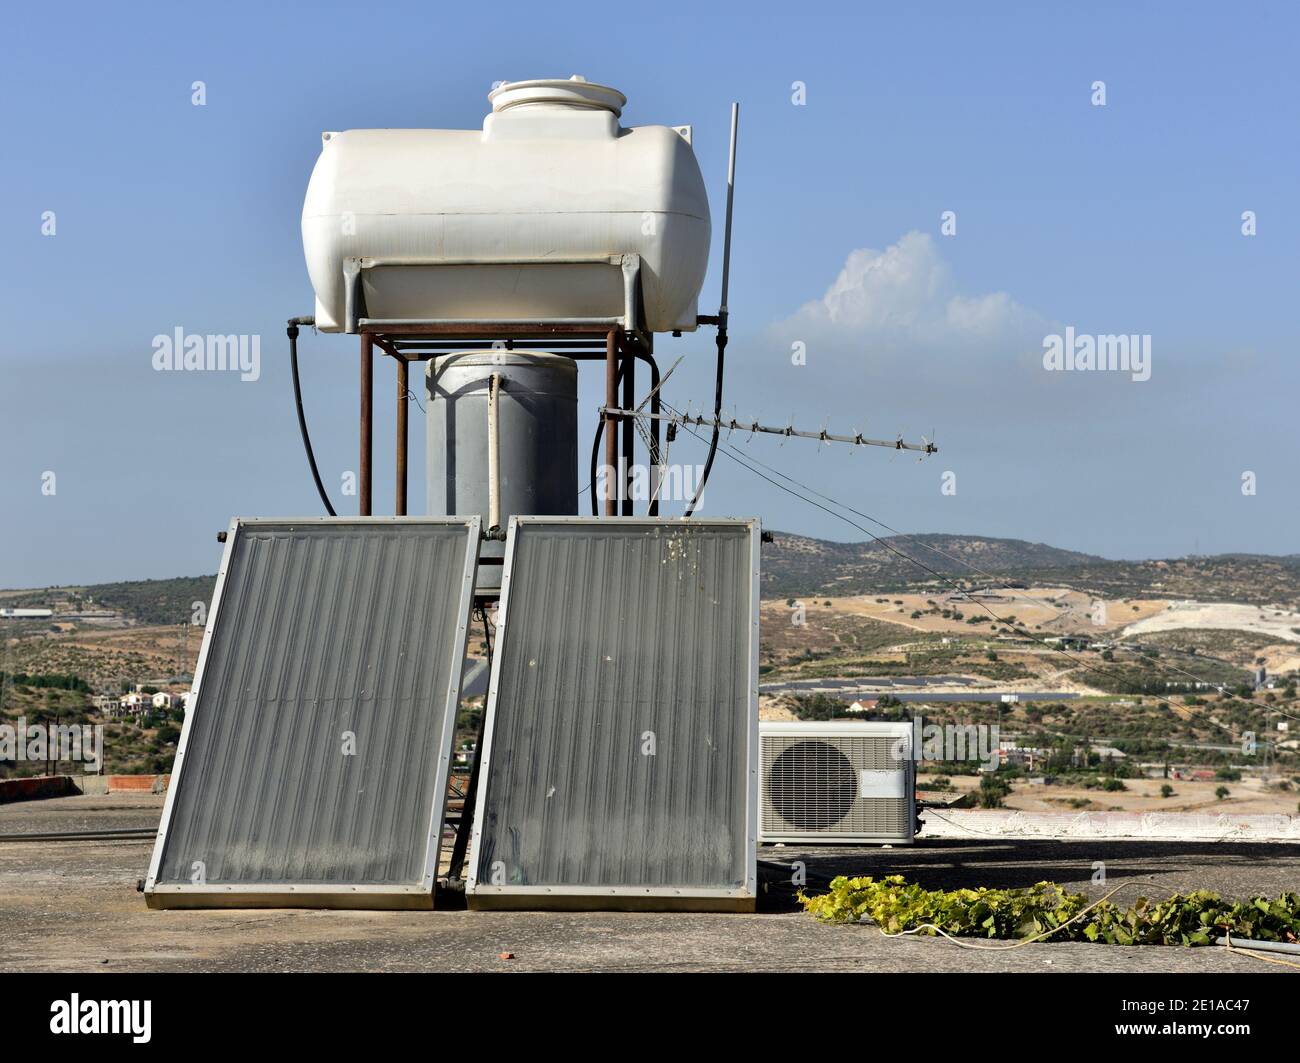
<point x="577" y="91"/>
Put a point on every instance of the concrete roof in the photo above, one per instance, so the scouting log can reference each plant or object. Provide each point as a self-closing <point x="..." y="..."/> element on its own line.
<point x="74" y="906"/>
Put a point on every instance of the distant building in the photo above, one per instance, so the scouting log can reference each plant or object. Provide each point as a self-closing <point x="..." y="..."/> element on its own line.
<point x="26" y="614"/>
<point x="134" y="703"/>
<point x="1070" y="642"/>
<point x="163" y="700"/>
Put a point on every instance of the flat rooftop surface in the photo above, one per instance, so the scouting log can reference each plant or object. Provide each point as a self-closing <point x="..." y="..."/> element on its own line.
<point x="73" y="906"/>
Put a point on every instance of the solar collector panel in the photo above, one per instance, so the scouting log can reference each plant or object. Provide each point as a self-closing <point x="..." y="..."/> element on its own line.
<point x="619" y="763"/>
<point x="321" y="630"/>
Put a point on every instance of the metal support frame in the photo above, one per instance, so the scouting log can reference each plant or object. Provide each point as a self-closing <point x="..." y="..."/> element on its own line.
<point x="629" y="428"/>
<point x="403" y="387"/>
<point x="407" y="341"/>
<point x="611" y="436"/>
<point x="367" y="423"/>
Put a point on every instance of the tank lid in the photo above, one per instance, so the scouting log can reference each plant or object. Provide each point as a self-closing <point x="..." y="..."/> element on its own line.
<point x="577" y="91"/>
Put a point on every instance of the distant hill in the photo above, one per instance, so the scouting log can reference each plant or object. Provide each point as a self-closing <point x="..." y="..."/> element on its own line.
<point x="146" y="601"/>
<point x="797" y="564"/>
<point x="800" y="565"/>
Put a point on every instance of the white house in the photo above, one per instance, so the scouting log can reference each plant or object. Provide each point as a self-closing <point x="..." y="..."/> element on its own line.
<point x="163" y="700"/>
<point x="133" y="702"/>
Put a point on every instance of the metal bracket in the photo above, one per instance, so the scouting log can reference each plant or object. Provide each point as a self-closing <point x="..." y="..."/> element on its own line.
<point x="355" y="319"/>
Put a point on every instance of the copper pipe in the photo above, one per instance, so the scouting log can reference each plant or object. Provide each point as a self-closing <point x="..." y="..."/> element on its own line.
<point x="367" y="421"/>
<point x="611" y="435"/>
<point x="403" y="375"/>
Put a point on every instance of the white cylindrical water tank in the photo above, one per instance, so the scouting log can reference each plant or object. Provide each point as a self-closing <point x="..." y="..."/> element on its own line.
<point x="525" y="220"/>
<point x="535" y="439"/>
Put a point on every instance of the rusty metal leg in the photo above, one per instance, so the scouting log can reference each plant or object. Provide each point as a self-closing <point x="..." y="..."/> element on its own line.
<point x="403" y="375"/>
<point x="611" y="427"/>
<point x="629" y="424"/>
<point x="367" y="422"/>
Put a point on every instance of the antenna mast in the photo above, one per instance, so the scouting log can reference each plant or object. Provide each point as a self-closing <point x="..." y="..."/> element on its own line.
<point x="722" y="313"/>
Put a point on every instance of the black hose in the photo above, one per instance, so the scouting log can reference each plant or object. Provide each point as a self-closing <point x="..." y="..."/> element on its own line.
<point x="653" y="509"/>
<point x="717" y="416"/>
<point x="649" y="359"/>
<point x="595" y="449"/>
<point x="302" y="417"/>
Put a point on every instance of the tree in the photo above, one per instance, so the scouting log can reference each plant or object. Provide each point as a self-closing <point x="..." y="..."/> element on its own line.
<point x="1221" y="792"/>
<point x="1166" y="790"/>
<point x="992" y="791"/>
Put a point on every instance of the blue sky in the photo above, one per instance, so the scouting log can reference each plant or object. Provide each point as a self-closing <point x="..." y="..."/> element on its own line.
<point x="1117" y="219"/>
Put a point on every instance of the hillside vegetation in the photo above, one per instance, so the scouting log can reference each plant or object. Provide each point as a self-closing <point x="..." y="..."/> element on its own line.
<point x="796" y="565"/>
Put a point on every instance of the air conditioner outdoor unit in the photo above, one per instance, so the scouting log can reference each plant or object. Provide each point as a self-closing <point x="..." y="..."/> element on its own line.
<point x="840" y="781"/>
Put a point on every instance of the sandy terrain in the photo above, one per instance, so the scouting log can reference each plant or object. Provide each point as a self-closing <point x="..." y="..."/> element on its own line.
<point x="1263" y="620"/>
<point x="1056" y="608"/>
<point x="1142" y="795"/>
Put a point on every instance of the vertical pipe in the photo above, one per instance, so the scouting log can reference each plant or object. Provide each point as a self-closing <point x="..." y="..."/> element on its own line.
<point x="403" y="377"/>
<point x="656" y="455"/>
<point x="629" y="424"/>
<point x="367" y="420"/>
<point x="731" y="195"/>
<point x="494" y="451"/>
<point x="611" y="432"/>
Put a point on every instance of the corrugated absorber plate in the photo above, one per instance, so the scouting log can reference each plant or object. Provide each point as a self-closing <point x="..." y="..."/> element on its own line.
<point x="312" y="768"/>
<point x="826" y="782"/>
<point x="621" y="751"/>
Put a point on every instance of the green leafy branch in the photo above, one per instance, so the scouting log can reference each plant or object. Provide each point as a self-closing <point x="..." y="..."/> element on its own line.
<point x="1195" y="918"/>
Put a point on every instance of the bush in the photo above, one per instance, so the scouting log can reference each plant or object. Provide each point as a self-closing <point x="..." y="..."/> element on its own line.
<point x="1113" y="786"/>
<point x="992" y="791"/>
<point x="1166" y="790"/>
<point x="1221" y="792"/>
<point x="1195" y="918"/>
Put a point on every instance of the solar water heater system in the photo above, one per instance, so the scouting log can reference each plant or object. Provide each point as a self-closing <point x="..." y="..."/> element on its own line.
<point x="619" y="766"/>
<point x="618" y="763"/>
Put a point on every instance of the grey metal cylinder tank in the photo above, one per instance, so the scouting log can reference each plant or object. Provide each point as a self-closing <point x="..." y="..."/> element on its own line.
<point x="537" y="432"/>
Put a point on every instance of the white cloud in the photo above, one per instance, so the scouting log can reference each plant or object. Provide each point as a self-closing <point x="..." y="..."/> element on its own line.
<point x="905" y="296"/>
